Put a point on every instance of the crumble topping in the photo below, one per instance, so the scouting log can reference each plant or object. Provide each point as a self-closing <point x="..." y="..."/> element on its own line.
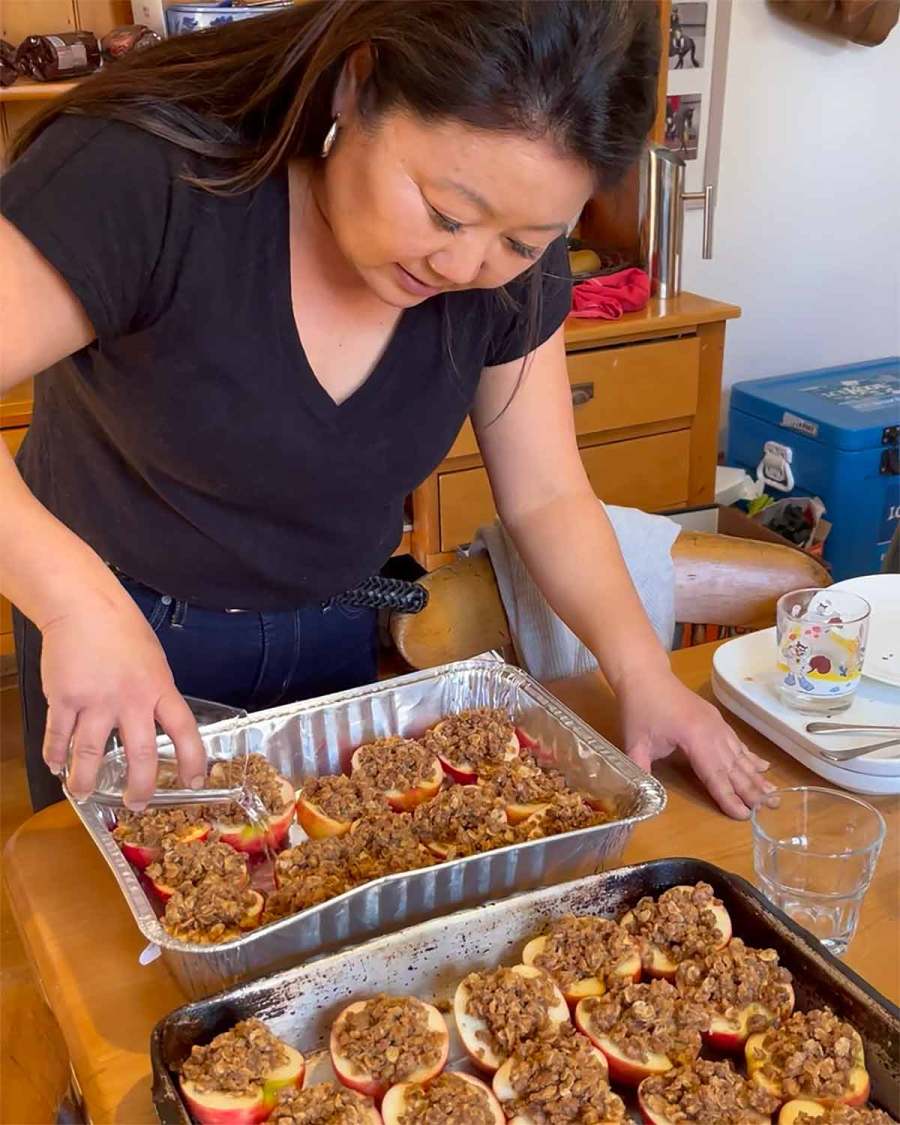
<point x="811" y="1055"/>
<point x="389" y="1038"/>
<point x="705" y="1093"/>
<point x="237" y="1061"/>
<point x="648" y="1018"/>
<point x="582" y="947"/>
<point x="562" y="1081"/>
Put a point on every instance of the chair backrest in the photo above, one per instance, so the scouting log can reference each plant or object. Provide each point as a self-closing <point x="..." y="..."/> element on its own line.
<point x="719" y="580"/>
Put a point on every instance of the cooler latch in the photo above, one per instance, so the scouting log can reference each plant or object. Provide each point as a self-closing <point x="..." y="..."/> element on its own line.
<point x="775" y="468"/>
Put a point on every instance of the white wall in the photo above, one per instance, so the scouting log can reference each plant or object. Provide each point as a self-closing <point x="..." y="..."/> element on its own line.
<point x="807" y="225"/>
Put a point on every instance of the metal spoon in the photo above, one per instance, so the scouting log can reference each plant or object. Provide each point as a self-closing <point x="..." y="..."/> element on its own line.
<point x="858" y="751"/>
<point x="848" y="728"/>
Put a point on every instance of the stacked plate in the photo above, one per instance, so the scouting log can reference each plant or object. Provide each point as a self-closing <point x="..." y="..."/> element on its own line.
<point x="744" y="681"/>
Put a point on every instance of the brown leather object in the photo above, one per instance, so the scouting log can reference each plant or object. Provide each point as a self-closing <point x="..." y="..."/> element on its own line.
<point x="868" y="22"/>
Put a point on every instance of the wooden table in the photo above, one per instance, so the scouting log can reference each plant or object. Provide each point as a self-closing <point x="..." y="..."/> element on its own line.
<point x="85" y="946"/>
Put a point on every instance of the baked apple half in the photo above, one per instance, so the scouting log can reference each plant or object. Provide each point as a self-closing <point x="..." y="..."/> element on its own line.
<point x="684" y="922"/>
<point x="745" y="990"/>
<point x="378" y="1043"/>
<point x="459" y="1097"/>
<point x="642" y="1029"/>
<point x="701" y="1092"/>
<point x="496" y="1010"/>
<point x="472" y="741"/>
<point x="563" y="1078"/>
<point x="813" y="1055"/>
<point x="401" y="769"/>
<point x="235" y="1080"/>
<point x="583" y="954"/>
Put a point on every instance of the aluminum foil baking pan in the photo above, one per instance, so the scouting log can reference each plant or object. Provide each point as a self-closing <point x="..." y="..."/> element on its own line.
<point x="428" y="960"/>
<point x="317" y="737"/>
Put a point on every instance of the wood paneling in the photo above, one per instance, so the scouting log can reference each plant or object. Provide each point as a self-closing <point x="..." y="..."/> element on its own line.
<point x="101" y="16"/>
<point x="19" y="18"/>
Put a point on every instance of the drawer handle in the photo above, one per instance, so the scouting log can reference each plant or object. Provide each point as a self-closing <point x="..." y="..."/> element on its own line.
<point x="582" y="393"/>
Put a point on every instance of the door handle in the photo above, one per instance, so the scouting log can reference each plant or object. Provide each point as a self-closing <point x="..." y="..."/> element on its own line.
<point x="582" y="393"/>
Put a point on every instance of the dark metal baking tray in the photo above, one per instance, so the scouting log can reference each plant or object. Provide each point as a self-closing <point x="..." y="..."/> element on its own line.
<point x="428" y="960"/>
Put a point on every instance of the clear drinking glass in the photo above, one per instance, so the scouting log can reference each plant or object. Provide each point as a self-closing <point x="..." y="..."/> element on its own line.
<point x="814" y="854"/>
<point x="821" y="645"/>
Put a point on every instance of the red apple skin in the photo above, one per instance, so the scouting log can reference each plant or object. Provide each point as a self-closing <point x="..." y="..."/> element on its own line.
<point x="316" y="824"/>
<point x="243" y="1111"/>
<point x="464" y="772"/>
<point x="255" y="841"/>
<point x="368" y="1085"/>
<point x="622" y="1069"/>
<point x="723" y="1036"/>
<point x="651" y="1118"/>
<point x="629" y="970"/>
<point x="141" y="856"/>
<point x="394" y="1100"/>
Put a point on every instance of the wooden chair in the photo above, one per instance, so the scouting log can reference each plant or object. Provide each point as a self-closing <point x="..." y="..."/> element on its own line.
<point x="719" y="580"/>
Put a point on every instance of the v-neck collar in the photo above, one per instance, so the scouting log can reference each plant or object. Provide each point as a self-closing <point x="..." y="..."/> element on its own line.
<point x="314" y="393"/>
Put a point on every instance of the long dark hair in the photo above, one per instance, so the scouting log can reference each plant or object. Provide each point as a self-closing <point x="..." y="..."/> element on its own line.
<point x="258" y="92"/>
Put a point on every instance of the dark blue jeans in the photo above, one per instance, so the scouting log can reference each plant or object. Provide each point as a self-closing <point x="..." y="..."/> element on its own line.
<point x="249" y="660"/>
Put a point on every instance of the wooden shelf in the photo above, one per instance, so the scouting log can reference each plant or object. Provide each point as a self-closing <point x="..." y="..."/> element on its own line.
<point x="27" y="90"/>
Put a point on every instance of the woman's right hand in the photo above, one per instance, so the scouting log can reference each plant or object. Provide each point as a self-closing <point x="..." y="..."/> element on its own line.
<point x="104" y="668"/>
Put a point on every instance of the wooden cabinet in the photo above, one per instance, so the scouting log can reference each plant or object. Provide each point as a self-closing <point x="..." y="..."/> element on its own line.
<point x="645" y="396"/>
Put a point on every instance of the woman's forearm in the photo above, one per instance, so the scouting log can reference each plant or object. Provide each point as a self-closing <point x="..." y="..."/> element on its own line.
<point x="45" y="565"/>
<point x="571" y="551"/>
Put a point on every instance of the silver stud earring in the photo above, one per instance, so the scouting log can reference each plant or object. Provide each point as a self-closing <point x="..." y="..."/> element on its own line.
<point x="331" y="136"/>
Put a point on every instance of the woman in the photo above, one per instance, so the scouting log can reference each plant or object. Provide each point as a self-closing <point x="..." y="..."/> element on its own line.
<point x="273" y="268"/>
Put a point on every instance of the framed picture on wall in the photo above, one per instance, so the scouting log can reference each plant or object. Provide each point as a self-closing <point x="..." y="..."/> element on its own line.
<point x="695" y="86"/>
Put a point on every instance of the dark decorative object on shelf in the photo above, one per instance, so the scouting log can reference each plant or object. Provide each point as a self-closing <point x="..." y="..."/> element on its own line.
<point x="55" y="58"/>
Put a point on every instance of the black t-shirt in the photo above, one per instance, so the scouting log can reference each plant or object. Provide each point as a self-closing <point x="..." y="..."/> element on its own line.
<point x="191" y="444"/>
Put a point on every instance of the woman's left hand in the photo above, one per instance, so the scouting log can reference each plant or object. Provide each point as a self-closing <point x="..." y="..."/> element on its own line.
<point x="661" y="715"/>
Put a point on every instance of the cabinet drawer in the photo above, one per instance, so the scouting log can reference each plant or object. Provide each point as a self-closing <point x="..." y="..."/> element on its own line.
<point x="628" y="386"/>
<point x="649" y="473"/>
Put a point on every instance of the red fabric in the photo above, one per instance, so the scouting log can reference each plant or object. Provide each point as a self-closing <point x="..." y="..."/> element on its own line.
<point x="608" y="297"/>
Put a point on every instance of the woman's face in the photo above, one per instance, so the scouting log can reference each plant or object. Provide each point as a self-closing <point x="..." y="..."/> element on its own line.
<point x="419" y="208"/>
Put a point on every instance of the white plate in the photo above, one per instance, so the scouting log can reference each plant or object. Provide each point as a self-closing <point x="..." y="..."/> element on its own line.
<point x="867" y="783"/>
<point x="745" y="669"/>
<point x="882" y="592"/>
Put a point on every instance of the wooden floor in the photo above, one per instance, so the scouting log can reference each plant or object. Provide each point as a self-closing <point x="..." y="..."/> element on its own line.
<point x="33" y="1061"/>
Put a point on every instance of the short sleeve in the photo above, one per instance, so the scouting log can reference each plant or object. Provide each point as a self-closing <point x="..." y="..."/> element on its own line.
<point x="93" y="196"/>
<point x="513" y="335"/>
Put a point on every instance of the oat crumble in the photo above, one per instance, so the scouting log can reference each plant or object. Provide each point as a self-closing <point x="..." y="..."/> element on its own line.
<point x="235" y="1062"/>
<point x="680" y="922"/>
<point x="465" y="818"/>
<point x="846" y="1115"/>
<point x="561" y="1081"/>
<point x="394" y="764"/>
<point x="156" y="828"/>
<point x="514" y="1008"/>
<point x="196" y="861"/>
<point x="811" y="1055"/>
<point x="727" y="980"/>
<point x="254" y="772"/>
<point x="384" y="845"/>
<point x="212" y="911"/>
<point x="342" y="798"/>
<point x="447" y="1100"/>
<point x="581" y="947"/>
<point x="648" y="1018"/>
<point x="477" y="737"/>
<point x="324" y="1104"/>
<point x="389" y="1038"/>
<point x="706" y="1093"/>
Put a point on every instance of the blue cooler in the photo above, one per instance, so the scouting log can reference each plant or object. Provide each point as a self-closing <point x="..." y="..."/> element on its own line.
<point x="831" y="433"/>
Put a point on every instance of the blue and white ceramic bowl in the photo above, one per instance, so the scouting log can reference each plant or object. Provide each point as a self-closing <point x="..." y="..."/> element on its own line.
<point x="182" y="19"/>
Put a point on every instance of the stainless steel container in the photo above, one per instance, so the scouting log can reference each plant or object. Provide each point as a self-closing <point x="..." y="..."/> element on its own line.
<point x="428" y="961"/>
<point x="662" y="219"/>
<point x="315" y="737"/>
